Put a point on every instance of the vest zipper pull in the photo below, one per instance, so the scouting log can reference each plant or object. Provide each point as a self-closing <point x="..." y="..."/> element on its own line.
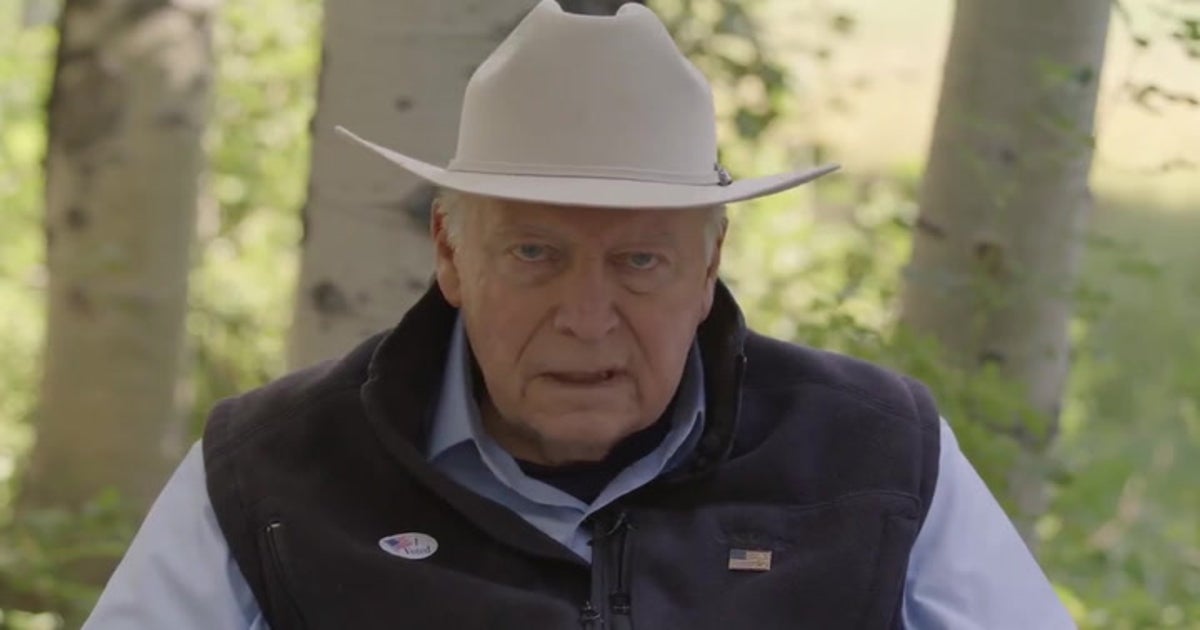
<point x="589" y="617"/>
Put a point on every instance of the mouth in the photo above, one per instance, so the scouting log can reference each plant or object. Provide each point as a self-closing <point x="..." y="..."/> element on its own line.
<point x="585" y="378"/>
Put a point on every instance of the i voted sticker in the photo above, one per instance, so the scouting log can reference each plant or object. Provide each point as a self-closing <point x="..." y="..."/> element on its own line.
<point x="410" y="545"/>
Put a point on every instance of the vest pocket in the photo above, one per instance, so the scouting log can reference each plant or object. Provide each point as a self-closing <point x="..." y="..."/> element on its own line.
<point x="283" y="611"/>
<point x="831" y="565"/>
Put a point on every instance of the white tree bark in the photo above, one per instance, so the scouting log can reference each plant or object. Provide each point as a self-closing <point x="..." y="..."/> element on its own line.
<point x="1005" y="199"/>
<point x="394" y="72"/>
<point x="128" y="108"/>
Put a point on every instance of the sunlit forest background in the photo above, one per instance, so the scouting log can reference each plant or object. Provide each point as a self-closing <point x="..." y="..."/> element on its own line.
<point x="1117" y="528"/>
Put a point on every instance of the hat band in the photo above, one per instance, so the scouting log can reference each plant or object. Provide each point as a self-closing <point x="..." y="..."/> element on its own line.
<point x="598" y="172"/>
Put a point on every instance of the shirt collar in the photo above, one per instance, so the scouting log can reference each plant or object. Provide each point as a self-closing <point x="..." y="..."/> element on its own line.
<point x="456" y="404"/>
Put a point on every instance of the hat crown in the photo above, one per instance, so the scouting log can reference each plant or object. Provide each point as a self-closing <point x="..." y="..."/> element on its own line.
<point x="590" y="96"/>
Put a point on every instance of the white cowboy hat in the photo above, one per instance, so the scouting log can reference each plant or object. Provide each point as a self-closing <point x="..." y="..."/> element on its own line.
<point x="592" y="111"/>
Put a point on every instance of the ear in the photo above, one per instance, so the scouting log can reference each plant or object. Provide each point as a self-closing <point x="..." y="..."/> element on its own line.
<point x="448" y="278"/>
<point x="713" y="271"/>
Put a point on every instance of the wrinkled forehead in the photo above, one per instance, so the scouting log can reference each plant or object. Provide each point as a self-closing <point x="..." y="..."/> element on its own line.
<point x="504" y="216"/>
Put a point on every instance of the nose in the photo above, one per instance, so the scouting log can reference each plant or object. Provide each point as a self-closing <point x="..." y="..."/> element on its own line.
<point x="586" y="309"/>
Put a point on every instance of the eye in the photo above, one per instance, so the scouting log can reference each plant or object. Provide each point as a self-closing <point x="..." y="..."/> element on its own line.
<point x="530" y="252"/>
<point x="641" y="261"/>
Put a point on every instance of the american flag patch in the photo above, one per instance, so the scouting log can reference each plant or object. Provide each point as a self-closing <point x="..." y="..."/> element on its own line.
<point x="749" y="560"/>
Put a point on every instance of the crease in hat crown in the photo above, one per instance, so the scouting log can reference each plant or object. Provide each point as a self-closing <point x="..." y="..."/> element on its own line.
<point x="589" y="96"/>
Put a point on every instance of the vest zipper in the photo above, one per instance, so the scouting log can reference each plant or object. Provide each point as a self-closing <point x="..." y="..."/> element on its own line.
<point x="275" y="554"/>
<point x="610" y="572"/>
<point x="620" y="601"/>
<point x="589" y="617"/>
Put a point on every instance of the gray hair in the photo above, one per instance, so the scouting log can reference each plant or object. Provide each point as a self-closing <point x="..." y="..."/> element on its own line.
<point x="453" y="206"/>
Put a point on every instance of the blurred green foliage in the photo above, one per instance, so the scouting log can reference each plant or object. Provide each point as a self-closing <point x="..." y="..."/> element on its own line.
<point x="722" y="39"/>
<point x="240" y="299"/>
<point x="24" y="78"/>
<point x="821" y="265"/>
<point x="44" y="547"/>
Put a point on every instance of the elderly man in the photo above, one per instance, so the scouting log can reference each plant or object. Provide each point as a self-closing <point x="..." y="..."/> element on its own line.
<point x="573" y="428"/>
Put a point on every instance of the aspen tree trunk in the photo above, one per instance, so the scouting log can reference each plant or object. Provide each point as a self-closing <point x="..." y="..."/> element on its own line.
<point x="1005" y="200"/>
<point x="127" y="110"/>
<point x="393" y="72"/>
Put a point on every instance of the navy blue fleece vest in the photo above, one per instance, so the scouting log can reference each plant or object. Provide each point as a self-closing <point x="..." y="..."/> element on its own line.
<point x="824" y="462"/>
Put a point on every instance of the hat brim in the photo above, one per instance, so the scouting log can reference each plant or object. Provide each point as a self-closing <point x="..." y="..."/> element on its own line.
<point x="594" y="191"/>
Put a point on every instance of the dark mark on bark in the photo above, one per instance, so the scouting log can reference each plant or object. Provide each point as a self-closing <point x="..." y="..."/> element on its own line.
<point x="992" y="357"/>
<point x="403" y="104"/>
<point x="88" y="108"/>
<point x="992" y="260"/>
<point x="304" y="211"/>
<point x="174" y="118"/>
<point x="201" y="21"/>
<point x="418" y="204"/>
<point x="925" y="226"/>
<point x="77" y="218"/>
<point x="1085" y="75"/>
<point x="75" y="54"/>
<point x="141" y="9"/>
<point x="78" y="301"/>
<point x="328" y="299"/>
<point x="199" y="85"/>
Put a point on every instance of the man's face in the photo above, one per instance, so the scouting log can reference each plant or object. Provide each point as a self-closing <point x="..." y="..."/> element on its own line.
<point x="581" y="319"/>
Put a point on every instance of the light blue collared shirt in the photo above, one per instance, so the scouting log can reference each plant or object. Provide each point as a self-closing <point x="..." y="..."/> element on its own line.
<point x="968" y="569"/>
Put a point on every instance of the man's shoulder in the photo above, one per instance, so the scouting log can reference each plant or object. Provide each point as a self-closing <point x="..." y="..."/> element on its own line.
<point x="776" y="364"/>
<point x="288" y="399"/>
